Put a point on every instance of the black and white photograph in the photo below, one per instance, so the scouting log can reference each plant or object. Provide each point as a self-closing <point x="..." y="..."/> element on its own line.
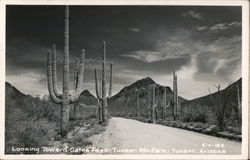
<point x="116" y="80"/>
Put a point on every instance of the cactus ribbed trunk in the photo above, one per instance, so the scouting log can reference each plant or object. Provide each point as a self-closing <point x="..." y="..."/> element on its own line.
<point x="175" y="97"/>
<point x="137" y="103"/>
<point x="99" y="105"/>
<point x="153" y="105"/>
<point x="65" y="95"/>
<point x="110" y="80"/>
<point x="239" y="103"/>
<point x="104" y="97"/>
<point x="64" y="99"/>
<point x="164" y="103"/>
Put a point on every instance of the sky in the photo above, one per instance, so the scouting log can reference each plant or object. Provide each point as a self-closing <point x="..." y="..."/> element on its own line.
<point x="201" y="43"/>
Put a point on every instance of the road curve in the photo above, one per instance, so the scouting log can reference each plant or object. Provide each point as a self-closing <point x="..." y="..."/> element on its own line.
<point x="126" y="136"/>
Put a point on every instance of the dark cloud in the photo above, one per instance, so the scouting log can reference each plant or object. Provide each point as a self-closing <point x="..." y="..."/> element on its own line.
<point x="141" y="41"/>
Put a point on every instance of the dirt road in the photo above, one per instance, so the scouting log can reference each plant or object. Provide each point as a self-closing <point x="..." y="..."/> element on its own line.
<point x="126" y="136"/>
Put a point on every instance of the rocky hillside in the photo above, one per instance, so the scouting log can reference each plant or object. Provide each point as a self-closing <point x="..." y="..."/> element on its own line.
<point x="202" y="109"/>
<point x="124" y="102"/>
<point x="16" y="101"/>
<point x="32" y="122"/>
<point x="206" y="100"/>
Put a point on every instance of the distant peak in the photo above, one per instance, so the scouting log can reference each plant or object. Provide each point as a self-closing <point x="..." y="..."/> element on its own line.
<point x="144" y="82"/>
<point x="148" y="80"/>
<point x="8" y="84"/>
<point x="86" y="92"/>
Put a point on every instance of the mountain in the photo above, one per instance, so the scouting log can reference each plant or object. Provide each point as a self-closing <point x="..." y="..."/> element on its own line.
<point x="202" y="108"/>
<point x="206" y="100"/>
<point x="124" y="102"/>
<point x="87" y="98"/>
<point x="16" y="101"/>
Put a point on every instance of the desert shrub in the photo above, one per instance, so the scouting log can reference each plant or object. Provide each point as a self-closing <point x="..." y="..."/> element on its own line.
<point x="195" y="113"/>
<point x="96" y="129"/>
<point x="201" y="125"/>
<point x="235" y="129"/>
<point x="80" y="140"/>
<point x="93" y="115"/>
<point x="30" y="133"/>
<point x="200" y="117"/>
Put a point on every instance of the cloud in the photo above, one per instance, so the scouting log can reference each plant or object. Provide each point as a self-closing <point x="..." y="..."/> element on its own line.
<point x="224" y="26"/>
<point x="193" y="14"/>
<point x="135" y="29"/>
<point x="213" y="60"/>
<point x="173" y="47"/>
<point x="219" y="59"/>
<point x="219" y="27"/>
<point x="146" y="56"/>
<point x="201" y="28"/>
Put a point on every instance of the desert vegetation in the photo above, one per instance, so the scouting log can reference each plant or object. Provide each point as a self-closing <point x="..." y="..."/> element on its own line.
<point x="31" y="122"/>
<point x="157" y="105"/>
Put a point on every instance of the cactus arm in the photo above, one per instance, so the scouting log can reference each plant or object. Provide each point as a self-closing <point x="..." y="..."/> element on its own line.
<point x="80" y="73"/>
<point x="66" y="57"/>
<point x="177" y="99"/>
<point x="49" y="80"/>
<point x="104" y="70"/>
<point x="54" y="77"/>
<point x="96" y="85"/>
<point x="164" y="96"/>
<point x="78" y="90"/>
<point x="168" y="104"/>
<point x="100" y="87"/>
<point x="110" y="81"/>
<point x="76" y="73"/>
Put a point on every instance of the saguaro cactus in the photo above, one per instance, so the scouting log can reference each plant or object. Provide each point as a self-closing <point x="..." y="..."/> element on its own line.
<point x="103" y="108"/>
<point x="164" y="103"/>
<point x="98" y="94"/>
<point x="175" y="97"/>
<point x="137" y="103"/>
<point x="65" y="99"/>
<point x="239" y="103"/>
<point x="153" y="105"/>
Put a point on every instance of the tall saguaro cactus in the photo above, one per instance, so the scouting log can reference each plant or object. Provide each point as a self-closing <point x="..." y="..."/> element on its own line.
<point x="137" y="103"/>
<point x="239" y="108"/>
<point x="175" y="97"/>
<point x="164" y="103"/>
<point x="101" y="94"/>
<point x="65" y="99"/>
<point x="153" y="105"/>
